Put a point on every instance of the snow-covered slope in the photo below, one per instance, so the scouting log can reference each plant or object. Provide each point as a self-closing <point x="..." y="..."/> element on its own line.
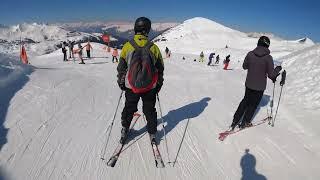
<point x="54" y="124"/>
<point x="304" y="77"/>
<point x="200" y="34"/>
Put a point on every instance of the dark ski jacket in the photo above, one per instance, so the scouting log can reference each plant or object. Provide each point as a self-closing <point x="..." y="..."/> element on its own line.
<point x="211" y="56"/>
<point x="259" y="64"/>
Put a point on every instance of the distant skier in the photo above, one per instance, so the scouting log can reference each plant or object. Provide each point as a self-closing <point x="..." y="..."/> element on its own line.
<point x="64" y="51"/>
<point x="217" y="59"/>
<point x="140" y="76"/>
<point x="79" y="51"/>
<point x="115" y="55"/>
<point x="201" y="57"/>
<point x="226" y="62"/>
<point x="259" y="64"/>
<point x="88" y="48"/>
<point x="211" y="56"/>
<point x="70" y="45"/>
<point x="167" y="52"/>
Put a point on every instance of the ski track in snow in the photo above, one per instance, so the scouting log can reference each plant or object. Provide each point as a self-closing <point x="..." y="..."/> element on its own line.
<point x="58" y="126"/>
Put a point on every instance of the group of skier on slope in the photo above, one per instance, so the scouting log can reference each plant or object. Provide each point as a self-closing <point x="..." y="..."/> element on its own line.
<point x="140" y="75"/>
<point x="88" y="47"/>
<point x="226" y="61"/>
<point x="72" y="51"/>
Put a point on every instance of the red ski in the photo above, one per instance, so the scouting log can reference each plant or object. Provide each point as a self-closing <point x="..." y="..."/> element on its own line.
<point x="226" y="133"/>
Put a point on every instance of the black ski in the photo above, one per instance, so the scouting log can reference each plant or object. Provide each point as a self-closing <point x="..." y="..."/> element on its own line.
<point x="114" y="158"/>
<point x="156" y="154"/>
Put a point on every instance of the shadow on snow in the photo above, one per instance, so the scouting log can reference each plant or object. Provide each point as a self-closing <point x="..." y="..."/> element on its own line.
<point x="174" y="117"/>
<point x="248" y="165"/>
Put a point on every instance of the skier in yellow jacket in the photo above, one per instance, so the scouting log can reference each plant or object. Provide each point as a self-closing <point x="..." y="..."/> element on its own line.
<point x="140" y="75"/>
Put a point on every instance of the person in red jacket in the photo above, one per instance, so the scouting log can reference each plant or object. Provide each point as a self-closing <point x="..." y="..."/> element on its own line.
<point x="226" y="62"/>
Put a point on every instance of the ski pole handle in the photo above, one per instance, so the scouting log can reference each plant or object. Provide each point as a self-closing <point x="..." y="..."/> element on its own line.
<point x="283" y="78"/>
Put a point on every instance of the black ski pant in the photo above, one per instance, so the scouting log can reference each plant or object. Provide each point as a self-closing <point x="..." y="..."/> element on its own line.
<point x="65" y="56"/>
<point x="148" y="107"/>
<point x="114" y="57"/>
<point x="209" y="63"/>
<point x="247" y="106"/>
<point x="88" y="54"/>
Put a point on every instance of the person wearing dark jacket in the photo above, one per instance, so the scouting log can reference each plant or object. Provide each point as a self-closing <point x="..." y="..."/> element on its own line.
<point x="217" y="59"/>
<point x="142" y="28"/>
<point x="64" y="51"/>
<point x="226" y="62"/>
<point x="211" y="56"/>
<point x="259" y="64"/>
<point x="167" y="52"/>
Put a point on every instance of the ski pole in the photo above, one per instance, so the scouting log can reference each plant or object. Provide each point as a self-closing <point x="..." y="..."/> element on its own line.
<point x="271" y="105"/>
<point x="183" y="136"/>
<point x="164" y="130"/>
<point x="110" y="127"/>
<point x="282" y="82"/>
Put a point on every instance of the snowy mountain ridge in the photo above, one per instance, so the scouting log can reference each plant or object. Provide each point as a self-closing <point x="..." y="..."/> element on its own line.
<point x="39" y="38"/>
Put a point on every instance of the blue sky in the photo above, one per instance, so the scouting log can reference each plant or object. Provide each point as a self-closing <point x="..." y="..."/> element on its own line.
<point x="290" y="19"/>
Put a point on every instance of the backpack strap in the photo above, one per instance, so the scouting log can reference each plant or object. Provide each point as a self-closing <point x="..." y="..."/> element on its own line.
<point x="135" y="45"/>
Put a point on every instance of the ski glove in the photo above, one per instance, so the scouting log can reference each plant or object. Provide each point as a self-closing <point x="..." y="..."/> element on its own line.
<point x="278" y="69"/>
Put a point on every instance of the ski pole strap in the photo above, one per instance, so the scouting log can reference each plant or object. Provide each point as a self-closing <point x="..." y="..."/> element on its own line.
<point x="283" y="78"/>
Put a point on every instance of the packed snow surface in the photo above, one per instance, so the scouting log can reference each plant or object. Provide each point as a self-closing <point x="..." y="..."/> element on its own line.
<point x="54" y="118"/>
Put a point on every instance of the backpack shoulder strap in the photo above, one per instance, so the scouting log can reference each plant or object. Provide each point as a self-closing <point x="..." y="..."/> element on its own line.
<point x="149" y="44"/>
<point x="134" y="44"/>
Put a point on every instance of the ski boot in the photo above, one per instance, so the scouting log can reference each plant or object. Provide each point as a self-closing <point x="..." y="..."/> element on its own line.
<point x="124" y="134"/>
<point x="245" y="125"/>
<point x="233" y="125"/>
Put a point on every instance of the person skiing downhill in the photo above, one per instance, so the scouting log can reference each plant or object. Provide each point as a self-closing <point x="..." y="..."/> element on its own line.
<point x="217" y="59"/>
<point x="115" y="55"/>
<point x="226" y="62"/>
<point x="88" y="48"/>
<point x="64" y="51"/>
<point x="201" y="57"/>
<point x="211" y="56"/>
<point x="259" y="64"/>
<point x="79" y="51"/>
<point x="167" y="52"/>
<point x="138" y="53"/>
<point x="70" y="45"/>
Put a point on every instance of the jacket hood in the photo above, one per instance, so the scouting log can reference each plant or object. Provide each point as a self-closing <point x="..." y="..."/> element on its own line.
<point x="261" y="51"/>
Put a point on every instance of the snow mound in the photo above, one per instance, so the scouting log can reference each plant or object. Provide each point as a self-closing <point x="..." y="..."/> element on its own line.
<point x="201" y="34"/>
<point x="303" y="76"/>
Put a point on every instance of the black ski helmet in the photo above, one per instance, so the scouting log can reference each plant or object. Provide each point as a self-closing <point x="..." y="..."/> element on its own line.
<point x="264" y="41"/>
<point x="142" y="25"/>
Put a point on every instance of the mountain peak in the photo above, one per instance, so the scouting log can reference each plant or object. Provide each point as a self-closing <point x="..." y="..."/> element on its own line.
<point x="206" y="23"/>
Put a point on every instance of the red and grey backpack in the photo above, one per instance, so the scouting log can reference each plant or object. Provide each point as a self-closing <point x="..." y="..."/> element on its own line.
<point x="142" y="75"/>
